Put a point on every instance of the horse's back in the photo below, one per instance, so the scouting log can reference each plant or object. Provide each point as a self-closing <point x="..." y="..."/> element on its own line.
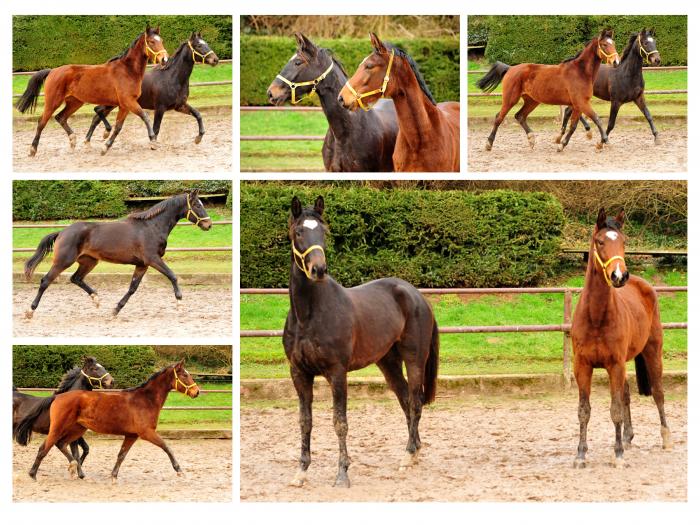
<point x="451" y="112"/>
<point x="390" y="293"/>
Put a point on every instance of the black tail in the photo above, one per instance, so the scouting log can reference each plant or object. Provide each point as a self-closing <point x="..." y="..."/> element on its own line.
<point x="23" y="431"/>
<point x="28" y="99"/>
<point x="431" y="367"/>
<point x="45" y="246"/>
<point x="490" y="80"/>
<point x="643" y="383"/>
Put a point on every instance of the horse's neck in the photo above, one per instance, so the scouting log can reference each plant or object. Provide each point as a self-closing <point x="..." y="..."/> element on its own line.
<point x="631" y="66"/>
<point x="415" y="113"/>
<point x="81" y="383"/>
<point x="339" y="119"/>
<point x="597" y="296"/>
<point x="589" y="57"/>
<point x="168" y="220"/>
<point x="158" y="388"/>
<point x="136" y="59"/>
<point x="182" y="69"/>
<point x="305" y="296"/>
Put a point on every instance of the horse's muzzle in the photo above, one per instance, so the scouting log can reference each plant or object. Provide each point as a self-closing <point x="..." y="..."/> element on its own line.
<point x="276" y="94"/>
<point x="206" y="224"/>
<point x="212" y="60"/>
<point x="319" y="271"/>
<point x="351" y="105"/>
<point x="619" y="281"/>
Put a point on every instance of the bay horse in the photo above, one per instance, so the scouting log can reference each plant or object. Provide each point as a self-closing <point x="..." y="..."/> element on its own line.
<point x="361" y="141"/>
<point x="91" y="375"/>
<point x="569" y="83"/>
<point x="132" y="413"/>
<point x="140" y="239"/>
<point x="167" y="87"/>
<point x="114" y="83"/>
<point x="428" y="138"/>
<point x="616" y="319"/>
<point x="624" y="83"/>
<point x="331" y="330"/>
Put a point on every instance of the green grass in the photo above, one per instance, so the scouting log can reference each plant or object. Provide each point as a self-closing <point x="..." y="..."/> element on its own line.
<point x="463" y="354"/>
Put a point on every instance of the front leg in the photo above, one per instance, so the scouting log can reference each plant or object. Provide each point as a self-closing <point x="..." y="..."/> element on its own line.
<point x="339" y="385"/>
<point x="189" y="110"/>
<point x="133" y="106"/>
<point x="157" y="263"/>
<point x="642" y="105"/>
<point x="304" y="385"/>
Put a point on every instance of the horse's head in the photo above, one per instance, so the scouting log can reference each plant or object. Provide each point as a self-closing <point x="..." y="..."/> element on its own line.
<point x="196" y="213"/>
<point x="154" y="49"/>
<point x="201" y="52"/>
<point x="307" y="232"/>
<point x="609" y="249"/>
<point x="96" y="374"/>
<point x="606" y="48"/>
<point x="301" y="74"/>
<point x="183" y="381"/>
<point x="646" y="41"/>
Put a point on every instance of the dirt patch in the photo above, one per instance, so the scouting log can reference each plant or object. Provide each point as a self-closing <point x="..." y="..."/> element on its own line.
<point x="145" y="475"/>
<point x="475" y="449"/>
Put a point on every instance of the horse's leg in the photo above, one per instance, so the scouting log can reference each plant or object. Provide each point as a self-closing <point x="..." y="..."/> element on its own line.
<point x="73" y="463"/>
<point x="80" y="442"/>
<point x="157" y="263"/>
<point x="126" y="446"/>
<point x="72" y="105"/>
<point x="51" y="104"/>
<point x="339" y="386"/>
<point x="587" y="110"/>
<point x="139" y="272"/>
<point x="157" y="119"/>
<point x="152" y="436"/>
<point x="572" y="127"/>
<point x="587" y="126"/>
<point x="121" y="116"/>
<point x="136" y="109"/>
<point x="101" y="113"/>
<point x="616" y="372"/>
<point x="508" y="101"/>
<point x="391" y="366"/>
<point x="583" y="373"/>
<point x="304" y="385"/>
<point x="564" y="121"/>
<point x="189" y="110"/>
<point x="653" y="356"/>
<point x="628" y="432"/>
<point x="46" y="280"/>
<point x="86" y="263"/>
<point x="416" y="375"/>
<point x="642" y="105"/>
<point x="521" y="116"/>
<point x="44" y="449"/>
<point x="614" y="109"/>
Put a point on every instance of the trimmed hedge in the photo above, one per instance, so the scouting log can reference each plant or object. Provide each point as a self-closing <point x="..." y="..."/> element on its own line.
<point x="551" y="39"/>
<point x="49" y="41"/>
<point x="429" y="238"/>
<point x="41" y="366"/>
<point x="263" y="57"/>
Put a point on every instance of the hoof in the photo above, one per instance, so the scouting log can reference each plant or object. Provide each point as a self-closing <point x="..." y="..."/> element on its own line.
<point x="666" y="439"/>
<point x="619" y="462"/>
<point x="408" y="460"/>
<point x="114" y="480"/>
<point x="299" y="479"/>
<point x="29" y="314"/>
<point x="154" y="145"/>
<point x="105" y="149"/>
<point x="579" y="463"/>
<point x="599" y="146"/>
<point x="73" y="469"/>
<point x="342" y="481"/>
<point x="95" y="300"/>
<point x="86" y="141"/>
<point x="178" y="305"/>
<point x="105" y="134"/>
<point x="627" y="444"/>
<point x="198" y="139"/>
<point x="557" y="139"/>
<point x="589" y="135"/>
<point x="531" y="140"/>
<point x="33" y="476"/>
<point x="180" y="474"/>
<point x="488" y="146"/>
<point x="73" y="140"/>
<point x="656" y="140"/>
<point x="32" y="151"/>
<point x="115" y="312"/>
<point x="560" y="147"/>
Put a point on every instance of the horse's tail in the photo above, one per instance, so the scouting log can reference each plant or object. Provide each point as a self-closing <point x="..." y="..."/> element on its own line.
<point x="490" y="80"/>
<point x="431" y="367"/>
<point x="643" y="383"/>
<point x="22" y="433"/>
<point x="28" y="99"/>
<point x="45" y="246"/>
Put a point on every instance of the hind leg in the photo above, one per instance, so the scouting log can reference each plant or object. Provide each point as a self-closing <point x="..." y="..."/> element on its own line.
<point x="80" y="442"/>
<point x="521" y="116"/>
<point x="139" y="272"/>
<point x="653" y="355"/>
<point x="72" y="105"/>
<point x="587" y="109"/>
<point x="121" y="116"/>
<point x="508" y="101"/>
<point x="101" y="113"/>
<point x="572" y="127"/>
<point x="189" y="110"/>
<point x="46" y="280"/>
<point x="614" y="109"/>
<point x="564" y="121"/>
<point x="51" y="104"/>
<point x="391" y="366"/>
<point x="87" y="263"/>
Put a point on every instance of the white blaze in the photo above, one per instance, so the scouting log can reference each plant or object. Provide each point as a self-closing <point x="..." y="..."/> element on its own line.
<point x="156" y="38"/>
<point x="611" y="235"/>
<point x="617" y="272"/>
<point x="650" y="39"/>
<point x="310" y="224"/>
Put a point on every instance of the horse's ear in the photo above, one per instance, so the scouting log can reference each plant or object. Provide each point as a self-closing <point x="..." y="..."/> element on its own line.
<point x="319" y="205"/>
<point x="158" y="29"/>
<point x="296" y="207"/>
<point x="621" y="218"/>
<point x="377" y="44"/>
<point x="600" y="221"/>
<point x="194" y="192"/>
<point x="89" y="360"/>
<point x="180" y="363"/>
<point x="306" y="45"/>
<point x="148" y="27"/>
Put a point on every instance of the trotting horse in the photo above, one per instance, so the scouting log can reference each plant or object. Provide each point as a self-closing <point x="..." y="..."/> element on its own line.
<point x="167" y="87"/>
<point x="567" y="84"/>
<point x="361" y="141"/>
<point x="428" y="137"/>
<point x="114" y="83"/>
<point x="331" y="330"/>
<point x="140" y="239"/>
<point x="624" y="83"/>
<point x="91" y="375"/>
<point x="616" y="319"/>
<point x="132" y="413"/>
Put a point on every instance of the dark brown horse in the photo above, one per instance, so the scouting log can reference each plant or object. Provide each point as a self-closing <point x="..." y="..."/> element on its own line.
<point x="567" y="84"/>
<point x="331" y="330"/>
<point x="91" y="375"/>
<point x="428" y="137"/>
<point x="140" y="239"/>
<point x="616" y="319"/>
<point x="114" y="83"/>
<point x="132" y="413"/>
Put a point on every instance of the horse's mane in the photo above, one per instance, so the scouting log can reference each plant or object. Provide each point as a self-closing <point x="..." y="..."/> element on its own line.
<point x="335" y="59"/>
<point x="68" y="380"/>
<point x="156" y="209"/>
<point x="151" y="378"/>
<point x="175" y="57"/>
<point x="628" y="48"/>
<point x="419" y="77"/>
<point x="126" y="51"/>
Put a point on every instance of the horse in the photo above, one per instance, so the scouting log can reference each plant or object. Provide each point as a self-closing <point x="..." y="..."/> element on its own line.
<point x="90" y="375"/>
<point x="428" y="138"/>
<point x="624" y="83"/>
<point x="132" y="413"/>
<point x="140" y="239"/>
<point x="114" y="83"/>
<point x="616" y="320"/>
<point x="331" y="330"/>
<point x="167" y="87"/>
<point x="354" y="141"/>
<point x="569" y="83"/>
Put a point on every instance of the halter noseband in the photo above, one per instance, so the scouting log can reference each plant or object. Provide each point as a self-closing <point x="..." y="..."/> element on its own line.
<point x="98" y="380"/>
<point x="607" y="56"/>
<point x="604" y="265"/>
<point x="381" y="90"/>
<point x="155" y="54"/>
<point x="178" y="382"/>
<point x="195" y="52"/>
<point x="643" y="52"/>
<point x="191" y="211"/>
<point x="314" y="83"/>
<point x="302" y="257"/>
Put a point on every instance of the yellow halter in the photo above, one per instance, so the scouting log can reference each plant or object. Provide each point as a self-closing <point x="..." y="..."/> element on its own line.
<point x="606" y="55"/>
<point x="178" y="382"/>
<point x="98" y="380"/>
<point x="155" y="54"/>
<point x="195" y="52"/>
<point x="604" y="265"/>
<point x="191" y="211"/>
<point x="302" y="257"/>
<point x="315" y="82"/>
<point x="643" y="52"/>
<point x="382" y="90"/>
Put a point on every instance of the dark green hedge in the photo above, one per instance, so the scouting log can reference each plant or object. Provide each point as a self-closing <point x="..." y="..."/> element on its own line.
<point x="49" y="41"/>
<point x="263" y="57"/>
<point x="429" y="238"/>
<point x="551" y="39"/>
<point x="41" y="366"/>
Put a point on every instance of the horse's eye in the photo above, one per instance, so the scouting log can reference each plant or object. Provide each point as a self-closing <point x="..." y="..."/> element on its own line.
<point x="600" y="243"/>
<point x="368" y="66"/>
<point x="297" y="62"/>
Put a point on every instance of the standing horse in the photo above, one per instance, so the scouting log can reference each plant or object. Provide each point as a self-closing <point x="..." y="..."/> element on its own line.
<point x="624" y="83"/>
<point x="140" y="239"/>
<point x="567" y="84"/>
<point x="114" y="83"/>
<point x="331" y="330"/>
<point x="616" y="319"/>
<point x="167" y="87"/>
<point x="428" y="137"/>
<point x="91" y="375"/>
<point x="132" y="413"/>
<point x="354" y="141"/>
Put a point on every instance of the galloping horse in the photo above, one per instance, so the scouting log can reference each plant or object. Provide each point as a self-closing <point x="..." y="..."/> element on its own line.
<point x="616" y="319"/>
<point x="331" y="330"/>
<point x="167" y="87"/>
<point x="567" y="84"/>
<point x="354" y="141"/>
<point x="132" y="413"/>
<point x="114" y="83"/>
<point x="428" y="137"/>
<point x="624" y="83"/>
<point x="91" y="375"/>
<point x="140" y="239"/>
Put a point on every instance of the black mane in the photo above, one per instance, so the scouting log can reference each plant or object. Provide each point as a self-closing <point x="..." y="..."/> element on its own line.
<point x="68" y="380"/>
<point x="612" y="224"/>
<point x="151" y="378"/>
<point x="175" y="57"/>
<point x="164" y="205"/>
<point x="126" y="51"/>
<point x="628" y="48"/>
<point x="335" y="59"/>
<point x="421" y="82"/>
